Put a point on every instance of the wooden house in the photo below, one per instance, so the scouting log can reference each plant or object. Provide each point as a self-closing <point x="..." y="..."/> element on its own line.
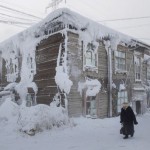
<point x="87" y="68"/>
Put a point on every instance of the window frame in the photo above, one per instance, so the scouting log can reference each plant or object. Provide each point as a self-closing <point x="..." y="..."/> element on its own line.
<point x="122" y="97"/>
<point x="91" y="106"/>
<point x="90" y="61"/>
<point x="148" y="73"/>
<point x="120" y="60"/>
<point x="137" y="68"/>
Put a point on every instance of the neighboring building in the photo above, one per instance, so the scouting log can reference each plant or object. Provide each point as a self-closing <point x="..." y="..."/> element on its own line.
<point x="87" y="68"/>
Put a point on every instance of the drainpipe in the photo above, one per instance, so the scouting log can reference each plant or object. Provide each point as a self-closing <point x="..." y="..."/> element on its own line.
<point x="108" y="49"/>
<point x="110" y="81"/>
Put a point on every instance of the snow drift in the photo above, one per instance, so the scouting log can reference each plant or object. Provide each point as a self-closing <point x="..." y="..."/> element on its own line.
<point x="32" y="119"/>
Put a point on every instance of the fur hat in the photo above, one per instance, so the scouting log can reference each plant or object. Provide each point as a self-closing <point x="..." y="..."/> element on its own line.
<point x="125" y="104"/>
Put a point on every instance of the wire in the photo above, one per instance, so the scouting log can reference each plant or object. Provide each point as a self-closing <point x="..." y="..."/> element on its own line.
<point x="135" y="26"/>
<point x="19" y="11"/>
<point x="16" y="17"/>
<point x="124" y="19"/>
<point x="10" y="4"/>
<point x="14" y="22"/>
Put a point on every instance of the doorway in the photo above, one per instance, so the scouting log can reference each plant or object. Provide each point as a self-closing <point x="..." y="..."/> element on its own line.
<point x="138" y="107"/>
<point x="91" y="110"/>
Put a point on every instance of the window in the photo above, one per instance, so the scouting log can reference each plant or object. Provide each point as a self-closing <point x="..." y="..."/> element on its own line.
<point x="12" y="67"/>
<point x="120" y="60"/>
<point x="90" y="58"/>
<point x="29" y="100"/>
<point x="148" y="73"/>
<point x="91" y="106"/>
<point x="1" y="63"/>
<point x="91" y="55"/>
<point x="122" y="97"/>
<point x="137" y="62"/>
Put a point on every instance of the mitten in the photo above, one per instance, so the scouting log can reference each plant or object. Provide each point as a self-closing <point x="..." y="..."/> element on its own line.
<point x="136" y="123"/>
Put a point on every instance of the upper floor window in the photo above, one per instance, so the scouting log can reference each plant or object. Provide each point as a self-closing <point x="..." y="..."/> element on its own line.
<point x="0" y="65"/>
<point x="90" y="58"/>
<point x="120" y="60"/>
<point x="91" y="55"/>
<point x="137" y="62"/>
<point x="148" y="73"/>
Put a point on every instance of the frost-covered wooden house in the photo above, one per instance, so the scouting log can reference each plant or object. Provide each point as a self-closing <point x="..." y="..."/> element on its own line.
<point x="86" y="67"/>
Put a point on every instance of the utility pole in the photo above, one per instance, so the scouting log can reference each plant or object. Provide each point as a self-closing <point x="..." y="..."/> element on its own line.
<point x="54" y="4"/>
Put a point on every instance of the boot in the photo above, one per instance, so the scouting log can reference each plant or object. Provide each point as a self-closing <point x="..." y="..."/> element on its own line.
<point x="126" y="136"/>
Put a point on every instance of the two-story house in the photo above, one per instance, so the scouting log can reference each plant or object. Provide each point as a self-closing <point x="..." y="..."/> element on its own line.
<point x="82" y="65"/>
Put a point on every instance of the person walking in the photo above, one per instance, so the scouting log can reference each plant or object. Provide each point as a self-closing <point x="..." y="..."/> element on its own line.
<point x="127" y="119"/>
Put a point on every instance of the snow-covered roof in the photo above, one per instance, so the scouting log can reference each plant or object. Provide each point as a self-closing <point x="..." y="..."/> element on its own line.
<point x="69" y="17"/>
<point x="33" y="35"/>
<point x="66" y="16"/>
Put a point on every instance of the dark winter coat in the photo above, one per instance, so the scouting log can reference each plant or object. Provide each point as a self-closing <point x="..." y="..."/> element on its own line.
<point x="128" y="119"/>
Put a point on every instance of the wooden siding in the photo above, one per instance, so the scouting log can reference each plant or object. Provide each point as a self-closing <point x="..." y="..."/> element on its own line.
<point x="75" y="101"/>
<point x="75" y="63"/>
<point x="46" y="61"/>
<point x="103" y="104"/>
<point x="103" y="77"/>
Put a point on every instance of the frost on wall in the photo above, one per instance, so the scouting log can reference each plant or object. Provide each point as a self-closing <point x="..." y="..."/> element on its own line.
<point x="62" y="80"/>
<point x="92" y="87"/>
<point x="62" y="77"/>
<point x="122" y="87"/>
<point x="24" y="45"/>
<point x="12" y="67"/>
<point x="19" y="55"/>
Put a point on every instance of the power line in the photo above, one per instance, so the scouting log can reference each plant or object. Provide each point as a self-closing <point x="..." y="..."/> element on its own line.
<point x="8" y="8"/>
<point x="27" y="9"/>
<point x="14" y="22"/>
<point x="135" y="26"/>
<point x="124" y="19"/>
<point x="16" y="17"/>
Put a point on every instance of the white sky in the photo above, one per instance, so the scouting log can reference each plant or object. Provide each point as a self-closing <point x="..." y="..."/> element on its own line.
<point x="97" y="10"/>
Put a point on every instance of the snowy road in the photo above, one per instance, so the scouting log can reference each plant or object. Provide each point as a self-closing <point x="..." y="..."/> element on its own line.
<point x="88" y="134"/>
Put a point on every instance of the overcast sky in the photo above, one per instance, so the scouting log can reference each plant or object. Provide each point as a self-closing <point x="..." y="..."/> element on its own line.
<point x="98" y="10"/>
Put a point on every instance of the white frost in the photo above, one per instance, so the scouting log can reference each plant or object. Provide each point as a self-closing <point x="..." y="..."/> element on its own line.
<point x="122" y="87"/>
<point x="62" y="80"/>
<point x="92" y="87"/>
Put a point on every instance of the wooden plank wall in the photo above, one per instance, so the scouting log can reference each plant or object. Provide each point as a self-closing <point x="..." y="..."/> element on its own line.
<point x="46" y="61"/>
<point x="103" y="77"/>
<point x="75" y="101"/>
<point x="75" y="61"/>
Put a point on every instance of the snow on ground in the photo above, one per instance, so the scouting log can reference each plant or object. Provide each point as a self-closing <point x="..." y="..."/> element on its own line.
<point x="87" y="134"/>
